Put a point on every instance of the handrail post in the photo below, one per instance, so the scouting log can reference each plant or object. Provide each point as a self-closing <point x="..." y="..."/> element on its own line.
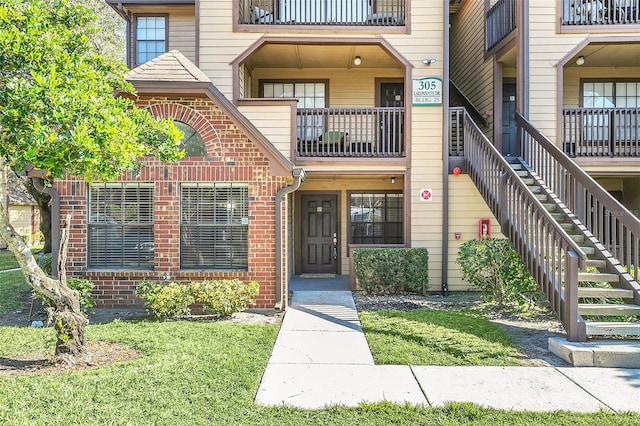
<point x="576" y="330"/>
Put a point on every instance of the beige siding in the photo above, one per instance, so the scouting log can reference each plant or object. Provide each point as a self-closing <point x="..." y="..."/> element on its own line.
<point x="20" y="218"/>
<point x="546" y="49"/>
<point x="573" y="75"/>
<point x="470" y="72"/>
<point x="274" y="121"/>
<point x="466" y="208"/>
<point x="182" y="34"/>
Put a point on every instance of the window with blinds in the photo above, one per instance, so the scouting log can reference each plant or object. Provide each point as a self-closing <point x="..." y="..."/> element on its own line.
<point x="376" y="218"/>
<point x="121" y="226"/>
<point x="214" y="223"/>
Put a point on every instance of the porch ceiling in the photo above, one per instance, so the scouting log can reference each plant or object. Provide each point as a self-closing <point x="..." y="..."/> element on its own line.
<point x="320" y="56"/>
<point x="609" y="55"/>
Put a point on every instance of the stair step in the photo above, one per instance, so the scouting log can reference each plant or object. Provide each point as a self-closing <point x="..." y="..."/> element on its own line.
<point x="535" y="189"/>
<point x="516" y="166"/>
<point x="588" y="250"/>
<point x="542" y="197"/>
<point x="528" y="181"/>
<point x="608" y="309"/>
<point x="558" y="216"/>
<point x="619" y="293"/>
<point x="598" y="277"/>
<point x="522" y="173"/>
<point x="567" y="226"/>
<point x="613" y="328"/>
<point x="577" y="238"/>
<point x="596" y="263"/>
<point x="550" y="207"/>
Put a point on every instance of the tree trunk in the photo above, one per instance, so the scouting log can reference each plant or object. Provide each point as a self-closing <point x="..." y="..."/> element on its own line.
<point x="69" y="321"/>
<point x="44" y="205"/>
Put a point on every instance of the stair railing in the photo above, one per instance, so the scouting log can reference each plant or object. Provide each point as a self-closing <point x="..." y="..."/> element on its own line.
<point x="611" y="224"/>
<point x="550" y="254"/>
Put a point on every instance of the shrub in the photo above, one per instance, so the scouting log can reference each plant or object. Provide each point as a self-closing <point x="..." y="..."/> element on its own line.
<point x="493" y="267"/>
<point x="220" y="297"/>
<point x="224" y="297"/>
<point x="166" y="301"/>
<point x="82" y="286"/>
<point x="45" y="262"/>
<point x="392" y="270"/>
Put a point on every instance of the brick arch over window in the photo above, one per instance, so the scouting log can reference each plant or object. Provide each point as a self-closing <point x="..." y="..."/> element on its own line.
<point x="193" y="118"/>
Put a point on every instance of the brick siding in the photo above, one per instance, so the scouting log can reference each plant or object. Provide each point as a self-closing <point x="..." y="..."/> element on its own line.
<point x="232" y="157"/>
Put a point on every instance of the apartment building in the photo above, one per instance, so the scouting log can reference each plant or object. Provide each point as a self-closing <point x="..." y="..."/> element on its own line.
<point x="313" y="127"/>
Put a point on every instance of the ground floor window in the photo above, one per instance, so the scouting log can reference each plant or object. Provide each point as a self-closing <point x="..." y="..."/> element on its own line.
<point x="376" y="218"/>
<point x="214" y="223"/>
<point x="121" y="225"/>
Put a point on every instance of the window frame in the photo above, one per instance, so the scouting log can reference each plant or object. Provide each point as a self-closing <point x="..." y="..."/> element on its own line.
<point x="385" y="223"/>
<point x="608" y="80"/>
<point x="118" y="231"/>
<point x="236" y="254"/>
<point x="134" y="32"/>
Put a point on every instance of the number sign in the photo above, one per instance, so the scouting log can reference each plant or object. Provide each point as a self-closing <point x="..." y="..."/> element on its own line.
<point x="427" y="91"/>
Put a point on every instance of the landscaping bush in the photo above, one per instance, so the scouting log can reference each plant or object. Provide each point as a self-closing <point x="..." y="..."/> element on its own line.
<point x="219" y="297"/>
<point x="392" y="270"/>
<point x="494" y="267"/>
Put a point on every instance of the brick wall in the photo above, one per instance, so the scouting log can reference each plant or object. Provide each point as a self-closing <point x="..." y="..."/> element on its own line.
<point x="232" y="157"/>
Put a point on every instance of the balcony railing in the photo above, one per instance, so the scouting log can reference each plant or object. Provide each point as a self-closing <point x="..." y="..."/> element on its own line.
<point x="500" y="22"/>
<point x="323" y="12"/>
<point x="600" y="12"/>
<point x="601" y="132"/>
<point x="351" y="132"/>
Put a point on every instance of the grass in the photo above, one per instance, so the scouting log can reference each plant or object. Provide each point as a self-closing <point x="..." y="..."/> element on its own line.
<point x="206" y="374"/>
<point x="7" y="260"/>
<point x="13" y="290"/>
<point x="436" y="337"/>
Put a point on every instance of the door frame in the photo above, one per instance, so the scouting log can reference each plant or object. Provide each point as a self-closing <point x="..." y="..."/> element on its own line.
<point x="378" y="89"/>
<point x="297" y="227"/>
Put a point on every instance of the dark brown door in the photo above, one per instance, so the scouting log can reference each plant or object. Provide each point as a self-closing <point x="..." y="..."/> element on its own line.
<point x="391" y="139"/>
<point x="319" y="233"/>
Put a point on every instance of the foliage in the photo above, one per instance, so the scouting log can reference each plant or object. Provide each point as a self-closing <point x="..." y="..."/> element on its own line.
<point x="436" y="337"/>
<point x="392" y="270"/>
<point x="109" y="40"/>
<point x="225" y="363"/>
<point x="166" y="301"/>
<point x="225" y="297"/>
<point x="219" y="297"/>
<point x="45" y="262"/>
<point x="58" y="111"/>
<point x="82" y="286"/>
<point x="493" y="267"/>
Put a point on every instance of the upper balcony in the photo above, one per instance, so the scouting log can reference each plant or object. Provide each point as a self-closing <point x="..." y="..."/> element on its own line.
<point x="500" y="21"/>
<point x="300" y="14"/>
<point x="600" y="12"/>
<point x="601" y="132"/>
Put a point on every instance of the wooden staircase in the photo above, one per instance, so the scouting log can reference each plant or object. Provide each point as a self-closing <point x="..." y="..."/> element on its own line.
<point x="607" y="300"/>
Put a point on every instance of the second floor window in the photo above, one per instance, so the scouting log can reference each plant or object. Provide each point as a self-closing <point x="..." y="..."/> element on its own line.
<point x="611" y="94"/>
<point x="151" y="37"/>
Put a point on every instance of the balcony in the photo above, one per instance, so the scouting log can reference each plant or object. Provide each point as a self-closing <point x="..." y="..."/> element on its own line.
<point x="350" y="132"/>
<point x="500" y="22"/>
<point x="601" y="132"/>
<point x="365" y="13"/>
<point x="600" y="12"/>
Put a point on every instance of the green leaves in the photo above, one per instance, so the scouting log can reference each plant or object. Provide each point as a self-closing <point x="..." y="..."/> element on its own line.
<point x="57" y="106"/>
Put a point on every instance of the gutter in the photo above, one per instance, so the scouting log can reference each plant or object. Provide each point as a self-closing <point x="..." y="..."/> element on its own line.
<point x="446" y="129"/>
<point x="298" y="178"/>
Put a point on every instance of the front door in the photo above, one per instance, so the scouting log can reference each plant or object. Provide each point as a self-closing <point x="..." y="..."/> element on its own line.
<point x="320" y="248"/>
<point x="509" y="127"/>
<point x="391" y="122"/>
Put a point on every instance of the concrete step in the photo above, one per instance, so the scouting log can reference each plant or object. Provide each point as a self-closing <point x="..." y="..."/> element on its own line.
<point x="607" y="309"/>
<point x="550" y="207"/>
<point x="542" y="197"/>
<point x="597" y="353"/>
<point x="618" y="293"/>
<point x="516" y="166"/>
<point x="535" y="189"/>
<point x="528" y="181"/>
<point x="613" y="329"/>
<point x="588" y="250"/>
<point x="577" y="238"/>
<point x="522" y="173"/>
<point x="598" y="277"/>
<point x="558" y="216"/>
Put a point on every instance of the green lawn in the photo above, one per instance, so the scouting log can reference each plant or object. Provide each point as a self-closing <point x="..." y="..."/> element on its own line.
<point x="195" y="373"/>
<point x="13" y="290"/>
<point x="7" y="260"/>
<point x="436" y="337"/>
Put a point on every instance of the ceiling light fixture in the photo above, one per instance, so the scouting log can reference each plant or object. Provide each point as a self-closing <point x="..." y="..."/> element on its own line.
<point x="357" y="60"/>
<point x="580" y="60"/>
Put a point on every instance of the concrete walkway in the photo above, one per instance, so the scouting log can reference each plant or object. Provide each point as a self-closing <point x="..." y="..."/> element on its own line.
<point x="321" y="358"/>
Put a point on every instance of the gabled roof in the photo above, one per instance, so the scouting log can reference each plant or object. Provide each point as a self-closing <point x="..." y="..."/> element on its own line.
<point x="171" y="66"/>
<point x="172" y="74"/>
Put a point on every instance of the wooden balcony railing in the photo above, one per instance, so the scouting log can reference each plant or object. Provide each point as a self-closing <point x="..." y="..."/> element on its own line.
<point x="351" y="132"/>
<point x="600" y="12"/>
<point x="322" y="12"/>
<point x="500" y="22"/>
<point x="601" y="132"/>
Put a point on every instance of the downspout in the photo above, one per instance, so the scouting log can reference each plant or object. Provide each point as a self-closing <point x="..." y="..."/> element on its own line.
<point x="445" y="150"/>
<point x="298" y="178"/>
<point x="55" y="222"/>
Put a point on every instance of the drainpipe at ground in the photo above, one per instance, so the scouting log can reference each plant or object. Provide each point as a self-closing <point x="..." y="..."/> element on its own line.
<point x="298" y="178"/>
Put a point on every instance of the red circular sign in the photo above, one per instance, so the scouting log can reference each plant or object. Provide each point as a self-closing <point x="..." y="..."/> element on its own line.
<point x="426" y="195"/>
